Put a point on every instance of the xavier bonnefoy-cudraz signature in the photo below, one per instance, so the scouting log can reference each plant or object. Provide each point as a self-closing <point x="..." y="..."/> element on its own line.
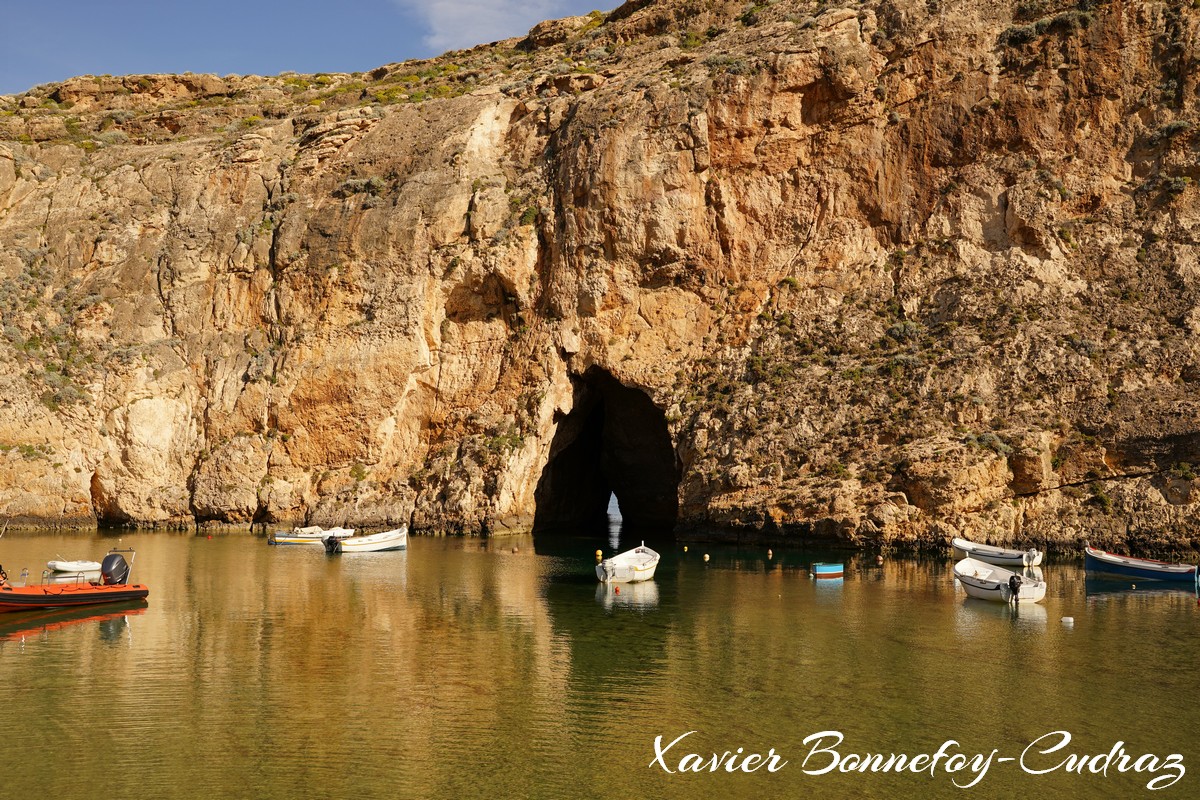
<point x="826" y="752"/>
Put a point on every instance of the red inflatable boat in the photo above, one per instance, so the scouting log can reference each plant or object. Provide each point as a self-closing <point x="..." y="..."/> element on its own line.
<point x="111" y="588"/>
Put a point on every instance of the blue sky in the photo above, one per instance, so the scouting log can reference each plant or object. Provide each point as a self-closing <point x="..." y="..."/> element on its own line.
<point x="48" y="41"/>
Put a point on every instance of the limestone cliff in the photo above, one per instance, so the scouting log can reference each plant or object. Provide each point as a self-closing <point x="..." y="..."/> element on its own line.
<point x="879" y="272"/>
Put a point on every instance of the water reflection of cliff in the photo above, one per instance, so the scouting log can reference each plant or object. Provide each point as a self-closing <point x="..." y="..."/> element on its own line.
<point x="411" y="664"/>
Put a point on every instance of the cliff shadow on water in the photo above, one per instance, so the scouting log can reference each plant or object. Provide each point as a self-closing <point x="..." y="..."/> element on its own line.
<point x="614" y="441"/>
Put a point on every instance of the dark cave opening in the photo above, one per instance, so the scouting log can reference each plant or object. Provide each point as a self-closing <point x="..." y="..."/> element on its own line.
<point x="613" y="442"/>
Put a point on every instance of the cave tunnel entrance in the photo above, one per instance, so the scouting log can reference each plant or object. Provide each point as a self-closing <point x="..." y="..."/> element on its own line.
<point x="614" y="442"/>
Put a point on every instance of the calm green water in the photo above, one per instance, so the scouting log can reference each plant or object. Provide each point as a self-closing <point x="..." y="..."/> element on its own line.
<point x="462" y="669"/>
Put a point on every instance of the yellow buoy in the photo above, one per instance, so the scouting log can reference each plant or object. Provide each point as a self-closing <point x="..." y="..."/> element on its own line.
<point x="685" y="548"/>
<point x="599" y="553"/>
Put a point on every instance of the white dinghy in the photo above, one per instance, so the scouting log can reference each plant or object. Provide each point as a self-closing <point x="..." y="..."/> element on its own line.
<point x="631" y="566"/>
<point x="999" y="556"/>
<point x="991" y="582"/>
<point x="396" y="539"/>
<point x="313" y="534"/>
<point x="73" y="566"/>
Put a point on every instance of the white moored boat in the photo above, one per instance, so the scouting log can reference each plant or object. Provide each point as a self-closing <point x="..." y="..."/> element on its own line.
<point x="996" y="555"/>
<point x="991" y="582"/>
<point x="73" y="566"/>
<point x="313" y="534"/>
<point x="631" y="566"/>
<point x="396" y="539"/>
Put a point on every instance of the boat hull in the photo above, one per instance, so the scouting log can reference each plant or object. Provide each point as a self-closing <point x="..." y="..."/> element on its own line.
<point x="991" y="582"/>
<point x="826" y="570"/>
<point x="67" y="595"/>
<point x="285" y="539"/>
<point x="1145" y="569"/>
<point x="375" y="543"/>
<point x="1000" y="556"/>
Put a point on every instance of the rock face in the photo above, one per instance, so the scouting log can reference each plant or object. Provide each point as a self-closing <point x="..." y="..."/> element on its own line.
<point x="883" y="273"/>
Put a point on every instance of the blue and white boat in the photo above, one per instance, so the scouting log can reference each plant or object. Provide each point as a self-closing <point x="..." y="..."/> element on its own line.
<point x="828" y="569"/>
<point x="1146" y="569"/>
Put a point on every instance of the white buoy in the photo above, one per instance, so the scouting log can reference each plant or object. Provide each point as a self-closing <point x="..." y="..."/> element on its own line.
<point x="706" y="556"/>
<point x="770" y="554"/>
<point x="1068" y="621"/>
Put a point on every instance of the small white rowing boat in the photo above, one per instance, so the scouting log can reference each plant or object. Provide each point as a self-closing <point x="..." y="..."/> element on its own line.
<point x="631" y="566"/>
<point x="396" y="539"/>
<point x="73" y="566"/>
<point x="999" y="556"/>
<point x="991" y="582"/>
<point x="313" y="534"/>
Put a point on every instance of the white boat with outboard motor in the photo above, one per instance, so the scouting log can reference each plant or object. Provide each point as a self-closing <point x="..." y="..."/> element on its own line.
<point x="992" y="582"/>
<point x="631" y="566"/>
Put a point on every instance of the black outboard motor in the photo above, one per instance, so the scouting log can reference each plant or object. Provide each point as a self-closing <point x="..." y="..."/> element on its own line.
<point x="1014" y="586"/>
<point x="114" y="570"/>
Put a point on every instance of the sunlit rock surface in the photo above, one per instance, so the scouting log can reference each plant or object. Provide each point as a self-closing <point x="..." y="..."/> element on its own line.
<point x="883" y="273"/>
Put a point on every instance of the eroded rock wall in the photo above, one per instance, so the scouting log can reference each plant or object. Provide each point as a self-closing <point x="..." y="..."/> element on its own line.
<point x="893" y="272"/>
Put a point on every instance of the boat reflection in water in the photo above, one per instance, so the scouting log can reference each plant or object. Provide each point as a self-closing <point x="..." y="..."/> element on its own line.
<point x="112" y="622"/>
<point x="825" y="585"/>
<point x="975" y="615"/>
<point x="642" y="595"/>
<point x="1106" y="588"/>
